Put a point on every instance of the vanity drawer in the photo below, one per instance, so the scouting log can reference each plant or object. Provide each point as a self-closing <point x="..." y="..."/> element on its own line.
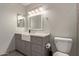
<point x="37" y="40"/>
<point x="36" y="48"/>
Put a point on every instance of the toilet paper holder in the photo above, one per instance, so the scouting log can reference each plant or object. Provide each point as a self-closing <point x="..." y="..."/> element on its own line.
<point x="49" y="50"/>
<point x="48" y="45"/>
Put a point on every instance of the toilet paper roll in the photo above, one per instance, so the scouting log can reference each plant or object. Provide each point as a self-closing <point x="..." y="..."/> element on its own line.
<point x="48" y="45"/>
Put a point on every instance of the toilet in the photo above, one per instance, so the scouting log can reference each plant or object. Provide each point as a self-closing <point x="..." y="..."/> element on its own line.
<point x="63" y="46"/>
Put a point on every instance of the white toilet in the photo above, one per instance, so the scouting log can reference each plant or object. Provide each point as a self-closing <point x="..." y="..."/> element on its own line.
<point x="63" y="46"/>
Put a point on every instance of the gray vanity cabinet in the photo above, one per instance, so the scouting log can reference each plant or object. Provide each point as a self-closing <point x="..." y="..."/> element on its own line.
<point x="38" y="45"/>
<point x="21" y="45"/>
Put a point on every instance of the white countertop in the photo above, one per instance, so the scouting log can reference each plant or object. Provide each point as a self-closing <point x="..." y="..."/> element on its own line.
<point x="35" y="34"/>
<point x="40" y="34"/>
<point x="26" y="35"/>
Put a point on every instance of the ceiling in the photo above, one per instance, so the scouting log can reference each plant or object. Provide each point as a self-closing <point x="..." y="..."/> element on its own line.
<point x="25" y="4"/>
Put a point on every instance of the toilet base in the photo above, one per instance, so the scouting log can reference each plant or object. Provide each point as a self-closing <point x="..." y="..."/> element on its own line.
<point x="60" y="54"/>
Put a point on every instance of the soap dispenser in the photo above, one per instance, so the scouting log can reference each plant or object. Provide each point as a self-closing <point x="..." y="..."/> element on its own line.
<point x="29" y="31"/>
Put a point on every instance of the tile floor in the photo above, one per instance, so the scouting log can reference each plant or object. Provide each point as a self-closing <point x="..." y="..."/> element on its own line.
<point x="14" y="53"/>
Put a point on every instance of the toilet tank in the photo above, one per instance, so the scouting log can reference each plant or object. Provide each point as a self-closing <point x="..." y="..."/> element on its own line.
<point x="63" y="44"/>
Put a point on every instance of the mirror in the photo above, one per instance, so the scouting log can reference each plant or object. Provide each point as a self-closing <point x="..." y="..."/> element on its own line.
<point x="35" y="22"/>
<point x="20" y="20"/>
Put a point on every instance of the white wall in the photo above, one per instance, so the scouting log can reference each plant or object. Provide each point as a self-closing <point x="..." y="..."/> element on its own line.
<point x="8" y="25"/>
<point x="61" y="21"/>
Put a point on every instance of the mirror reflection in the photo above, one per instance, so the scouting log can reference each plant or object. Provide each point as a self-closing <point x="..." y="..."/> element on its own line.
<point x="20" y="20"/>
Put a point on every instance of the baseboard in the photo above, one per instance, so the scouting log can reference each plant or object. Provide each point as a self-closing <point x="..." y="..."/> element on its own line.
<point x="20" y="52"/>
<point x="7" y="53"/>
<point x="4" y="54"/>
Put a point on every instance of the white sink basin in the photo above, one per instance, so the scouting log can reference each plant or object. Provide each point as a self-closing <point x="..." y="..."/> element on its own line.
<point x="26" y="37"/>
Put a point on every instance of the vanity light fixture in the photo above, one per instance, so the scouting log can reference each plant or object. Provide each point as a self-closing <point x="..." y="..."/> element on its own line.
<point x="37" y="11"/>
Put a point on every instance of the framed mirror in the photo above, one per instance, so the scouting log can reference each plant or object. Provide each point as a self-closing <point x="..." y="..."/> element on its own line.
<point x="35" y="22"/>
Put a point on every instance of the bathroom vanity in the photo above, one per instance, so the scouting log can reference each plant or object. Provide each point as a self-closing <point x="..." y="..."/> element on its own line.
<point x="34" y="45"/>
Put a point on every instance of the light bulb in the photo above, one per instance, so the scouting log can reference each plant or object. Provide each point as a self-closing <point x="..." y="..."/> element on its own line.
<point x="36" y="11"/>
<point x="41" y="9"/>
<point x="33" y="12"/>
<point x="29" y="13"/>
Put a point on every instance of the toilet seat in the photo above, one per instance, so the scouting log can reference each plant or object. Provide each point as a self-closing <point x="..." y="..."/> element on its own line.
<point x="60" y="54"/>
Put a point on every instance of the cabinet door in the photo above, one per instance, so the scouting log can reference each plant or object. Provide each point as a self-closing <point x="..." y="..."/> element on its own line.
<point x="36" y="48"/>
<point x="23" y="47"/>
<point x="27" y="48"/>
<point x="20" y="45"/>
<point x="18" y="41"/>
<point x="37" y="40"/>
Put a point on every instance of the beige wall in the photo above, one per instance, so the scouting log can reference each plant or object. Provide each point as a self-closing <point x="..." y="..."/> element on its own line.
<point x="78" y="29"/>
<point x="8" y="25"/>
<point x="61" y="21"/>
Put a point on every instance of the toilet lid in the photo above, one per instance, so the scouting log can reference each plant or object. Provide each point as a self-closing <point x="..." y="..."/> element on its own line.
<point x="60" y="54"/>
